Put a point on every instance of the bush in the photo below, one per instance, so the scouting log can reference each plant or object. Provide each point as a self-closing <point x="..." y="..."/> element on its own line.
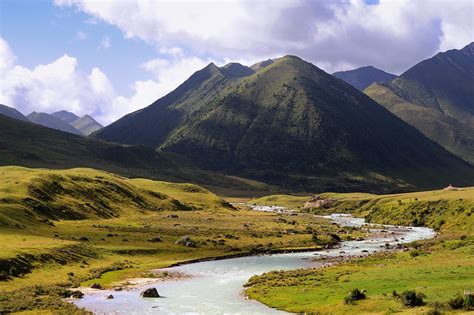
<point x="411" y="298"/>
<point x="456" y="303"/>
<point x="465" y="302"/>
<point x="354" y="295"/>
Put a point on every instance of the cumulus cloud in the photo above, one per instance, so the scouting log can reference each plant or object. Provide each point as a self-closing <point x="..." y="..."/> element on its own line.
<point x="61" y="85"/>
<point x="336" y="34"/>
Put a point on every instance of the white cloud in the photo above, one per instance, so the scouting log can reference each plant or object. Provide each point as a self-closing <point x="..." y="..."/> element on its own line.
<point x="54" y="86"/>
<point x="60" y="85"/>
<point x="392" y="34"/>
<point x="104" y="43"/>
<point x="166" y="76"/>
<point x="7" y="58"/>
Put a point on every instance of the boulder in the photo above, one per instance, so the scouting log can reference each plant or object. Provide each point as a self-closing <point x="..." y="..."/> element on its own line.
<point x="186" y="241"/>
<point x="76" y="294"/>
<point x="150" y="293"/>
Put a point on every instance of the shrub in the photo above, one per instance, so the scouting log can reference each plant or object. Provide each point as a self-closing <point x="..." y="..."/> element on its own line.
<point x="354" y="295"/>
<point x="465" y="302"/>
<point x="411" y="298"/>
<point x="456" y="303"/>
<point x="414" y="253"/>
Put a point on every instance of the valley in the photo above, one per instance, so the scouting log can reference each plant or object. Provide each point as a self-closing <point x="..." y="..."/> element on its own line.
<point x="237" y="157"/>
<point x="68" y="228"/>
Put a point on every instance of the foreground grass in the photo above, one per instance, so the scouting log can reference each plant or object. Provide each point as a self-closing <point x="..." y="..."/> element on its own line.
<point x="62" y="229"/>
<point x="440" y="273"/>
<point x="440" y="268"/>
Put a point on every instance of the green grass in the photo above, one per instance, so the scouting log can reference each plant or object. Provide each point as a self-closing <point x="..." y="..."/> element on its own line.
<point x="80" y="226"/>
<point x="289" y="201"/>
<point x="439" y="268"/>
<point x="444" y="210"/>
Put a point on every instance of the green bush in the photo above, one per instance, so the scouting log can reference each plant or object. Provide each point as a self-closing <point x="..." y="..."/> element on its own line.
<point x="354" y="295"/>
<point x="411" y="298"/>
<point x="456" y="303"/>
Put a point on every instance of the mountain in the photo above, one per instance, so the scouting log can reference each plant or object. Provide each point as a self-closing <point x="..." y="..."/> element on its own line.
<point x="237" y="70"/>
<point x="290" y="124"/>
<point x="436" y="96"/>
<point x="11" y="112"/>
<point x="53" y="122"/>
<point x="261" y="64"/>
<point x="86" y="125"/>
<point x="361" y="78"/>
<point x="66" y="116"/>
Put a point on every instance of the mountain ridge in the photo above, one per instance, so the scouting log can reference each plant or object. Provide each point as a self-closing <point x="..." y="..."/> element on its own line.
<point x="283" y="124"/>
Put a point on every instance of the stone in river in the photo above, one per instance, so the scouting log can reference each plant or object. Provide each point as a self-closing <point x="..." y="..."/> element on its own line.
<point x="150" y="293"/>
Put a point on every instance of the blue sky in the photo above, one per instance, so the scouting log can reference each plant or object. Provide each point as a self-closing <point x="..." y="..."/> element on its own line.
<point x="39" y="32"/>
<point x="108" y="58"/>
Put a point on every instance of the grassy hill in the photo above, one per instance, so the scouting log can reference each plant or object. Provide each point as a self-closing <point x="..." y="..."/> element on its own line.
<point x="31" y="145"/>
<point x="63" y="228"/>
<point x="293" y="125"/>
<point x="436" y="96"/>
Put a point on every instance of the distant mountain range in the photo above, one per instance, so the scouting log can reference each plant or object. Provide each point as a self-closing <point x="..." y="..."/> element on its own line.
<point x="287" y="122"/>
<point x="62" y="120"/>
<point x="436" y="96"/>
<point x="66" y="116"/>
<point x="361" y="78"/>
<point x="11" y="112"/>
<point x="53" y="122"/>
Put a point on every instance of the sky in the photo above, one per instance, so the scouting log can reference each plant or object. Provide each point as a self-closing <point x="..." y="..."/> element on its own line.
<point x="108" y="58"/>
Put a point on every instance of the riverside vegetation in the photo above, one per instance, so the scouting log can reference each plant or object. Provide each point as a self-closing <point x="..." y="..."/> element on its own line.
<point x="429" y="278"/>
<point x="60" y="229"/>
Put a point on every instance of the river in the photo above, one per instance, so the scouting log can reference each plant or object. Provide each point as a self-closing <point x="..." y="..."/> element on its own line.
<point x="215" y="287"/>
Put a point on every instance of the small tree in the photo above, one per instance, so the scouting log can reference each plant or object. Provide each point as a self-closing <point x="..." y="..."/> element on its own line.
<point x="411" y="298"/>
<point x="354" y="295"/>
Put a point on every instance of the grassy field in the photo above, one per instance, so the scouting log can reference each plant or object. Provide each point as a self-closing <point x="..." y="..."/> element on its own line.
<point x="441" y="268"/>
<point x="61" y="229"/>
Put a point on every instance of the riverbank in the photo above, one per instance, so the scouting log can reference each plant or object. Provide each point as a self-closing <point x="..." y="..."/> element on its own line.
<point x="441" y="269"/>
<point x="215" y="286"/>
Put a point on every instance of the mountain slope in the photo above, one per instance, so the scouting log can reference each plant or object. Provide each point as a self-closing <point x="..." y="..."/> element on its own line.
<point x="66" y="116"/>
<point x="86" y="125"/>
<point x="31" y="145"/>
<point x="292" y="124"/>
<point x="12" y="112"/>
<point x="53" y="122"/>
<point x="437" y="97"/>
<point x="361" y="78"/>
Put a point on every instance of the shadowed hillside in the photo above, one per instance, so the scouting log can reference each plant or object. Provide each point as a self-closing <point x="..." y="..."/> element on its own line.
<point x="289" y="124"/>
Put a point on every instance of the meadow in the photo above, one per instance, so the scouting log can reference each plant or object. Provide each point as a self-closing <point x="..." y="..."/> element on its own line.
<point x="60" y="229"/>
